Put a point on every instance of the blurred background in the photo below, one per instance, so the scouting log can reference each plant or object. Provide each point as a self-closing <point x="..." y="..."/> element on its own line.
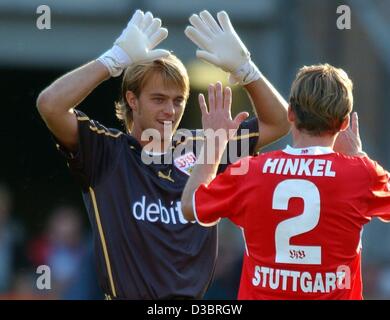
<point x="42" y="218"/>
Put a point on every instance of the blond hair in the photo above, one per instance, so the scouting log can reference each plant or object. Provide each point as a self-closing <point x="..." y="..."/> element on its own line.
<point x="321" y="98"/>
<point x="170" y="68"/>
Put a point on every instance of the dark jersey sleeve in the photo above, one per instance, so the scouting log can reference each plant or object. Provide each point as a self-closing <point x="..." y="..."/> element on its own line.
<point x="243" y="145"/>
<point x="98" y="151"/>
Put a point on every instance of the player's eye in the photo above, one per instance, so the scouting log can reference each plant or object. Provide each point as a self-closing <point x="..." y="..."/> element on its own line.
<point x="179" y="102"/>
<point x="158" y="100"/>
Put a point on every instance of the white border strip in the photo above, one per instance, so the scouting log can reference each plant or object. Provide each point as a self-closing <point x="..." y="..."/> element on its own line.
<point x="196" y="215"/>
<point x="243" y="235"/>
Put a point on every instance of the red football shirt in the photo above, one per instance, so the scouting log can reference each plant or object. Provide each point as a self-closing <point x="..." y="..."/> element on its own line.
<point x="302" y="212"/>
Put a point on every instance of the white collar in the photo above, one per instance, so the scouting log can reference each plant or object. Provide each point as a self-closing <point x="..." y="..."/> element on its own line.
<point x="309" y="151"/>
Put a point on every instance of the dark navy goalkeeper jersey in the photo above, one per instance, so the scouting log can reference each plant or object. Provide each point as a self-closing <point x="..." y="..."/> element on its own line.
<point x="144" y="247"/>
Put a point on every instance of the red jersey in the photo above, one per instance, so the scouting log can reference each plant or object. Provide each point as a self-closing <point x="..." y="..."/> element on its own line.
<point x="302" y="212"/>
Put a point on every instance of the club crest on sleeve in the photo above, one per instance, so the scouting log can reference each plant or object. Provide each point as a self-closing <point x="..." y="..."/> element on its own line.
<point x="186" y="162"/>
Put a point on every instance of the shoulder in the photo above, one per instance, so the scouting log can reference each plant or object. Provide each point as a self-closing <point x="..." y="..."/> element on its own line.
<point x="374" y="168"/>
<point x="249" y="129"/>
<point x="243" y="166"/>
<point x="250" y="123"/>
<point x="358" y="162"/>
<point x="96" y="127"/>
<point x="359" y="170"/>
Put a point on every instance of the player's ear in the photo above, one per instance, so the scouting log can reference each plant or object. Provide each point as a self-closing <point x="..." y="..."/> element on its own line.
<point x="345" y="124"/>
<point x="131" y="99"/>
<point x="290" y="114"/>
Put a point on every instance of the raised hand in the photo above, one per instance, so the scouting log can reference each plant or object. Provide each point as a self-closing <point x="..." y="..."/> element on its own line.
<point x="348" y="142"/>
<point x="220" y="45"/>
<point x="136" y="43"/>
<point x="218" y="113"/>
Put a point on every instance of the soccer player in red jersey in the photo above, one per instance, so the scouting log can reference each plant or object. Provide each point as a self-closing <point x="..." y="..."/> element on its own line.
<point x="301" y="209"/>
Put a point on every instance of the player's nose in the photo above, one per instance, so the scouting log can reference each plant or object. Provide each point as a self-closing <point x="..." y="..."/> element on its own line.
<point x="169" y="108"/>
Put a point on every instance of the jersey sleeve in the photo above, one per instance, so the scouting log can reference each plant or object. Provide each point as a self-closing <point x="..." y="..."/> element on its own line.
<point x="379" y="191"/>
<point x="220" y="199"/>
<point x="98" y="151"/>
<point x="243" y="145"/>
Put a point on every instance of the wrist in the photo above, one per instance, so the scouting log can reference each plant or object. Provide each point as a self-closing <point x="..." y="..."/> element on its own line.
<point x="213" y="148"/>
<point x="245" y="74"/>
<point x="115" y="60"/>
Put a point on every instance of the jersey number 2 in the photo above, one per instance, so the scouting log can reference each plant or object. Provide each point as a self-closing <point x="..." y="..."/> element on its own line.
<point x="307" y="221"/>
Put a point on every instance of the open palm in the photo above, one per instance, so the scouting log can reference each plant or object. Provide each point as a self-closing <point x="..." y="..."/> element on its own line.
<point x="218" y="114"/>
<point x="348" y="141"/>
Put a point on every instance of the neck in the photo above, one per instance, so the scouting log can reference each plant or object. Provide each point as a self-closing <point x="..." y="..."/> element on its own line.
<point x="304" y="140"/>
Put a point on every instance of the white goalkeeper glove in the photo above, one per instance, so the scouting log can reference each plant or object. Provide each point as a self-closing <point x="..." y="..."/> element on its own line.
<point x="136" y="43"/>
<point x="222" y="46"/>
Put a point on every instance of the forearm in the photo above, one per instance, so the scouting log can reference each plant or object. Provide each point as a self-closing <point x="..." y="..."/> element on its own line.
<point x="270" y="106"/>
<point x="72" y="88"/>
<point x="203" y="173"/>
<point x="225" y="49"/>
<point x="271" y="109"/>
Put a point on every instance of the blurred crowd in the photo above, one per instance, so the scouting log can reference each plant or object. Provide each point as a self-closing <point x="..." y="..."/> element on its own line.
<point x="63" y="245"/>
<point x="66" y="247"/>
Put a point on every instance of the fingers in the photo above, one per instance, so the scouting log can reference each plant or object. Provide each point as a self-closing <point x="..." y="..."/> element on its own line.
<point x="153" y="27"/>
<point x="227" y="99"/>
<point x="150" y="26"/>
<point x="240" y="118"/>
<point x="218" y="96"/>
<point x="157" y="37"/>
<point x="147" y="20"/>
<point x="355" y="124"/>
<point x="137" y="18"/>
<point x="211" y="96"/>
<point x="202" y="104"/>
<point x="210" y="21"/>
<point x="199" y="24"/>
<point x="224" y="21"/>
<point x="197" y="37"/>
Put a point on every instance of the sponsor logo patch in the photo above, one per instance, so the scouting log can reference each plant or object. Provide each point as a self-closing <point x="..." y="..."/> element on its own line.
<point x="186" y="162"/>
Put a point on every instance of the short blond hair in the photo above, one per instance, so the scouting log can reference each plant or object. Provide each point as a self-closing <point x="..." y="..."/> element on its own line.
<point x="135" y="77"/>
<point x="321" y="98"/>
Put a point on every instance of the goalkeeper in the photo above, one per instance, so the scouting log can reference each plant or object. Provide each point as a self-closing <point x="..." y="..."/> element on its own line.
<point x="145" y="249"/>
